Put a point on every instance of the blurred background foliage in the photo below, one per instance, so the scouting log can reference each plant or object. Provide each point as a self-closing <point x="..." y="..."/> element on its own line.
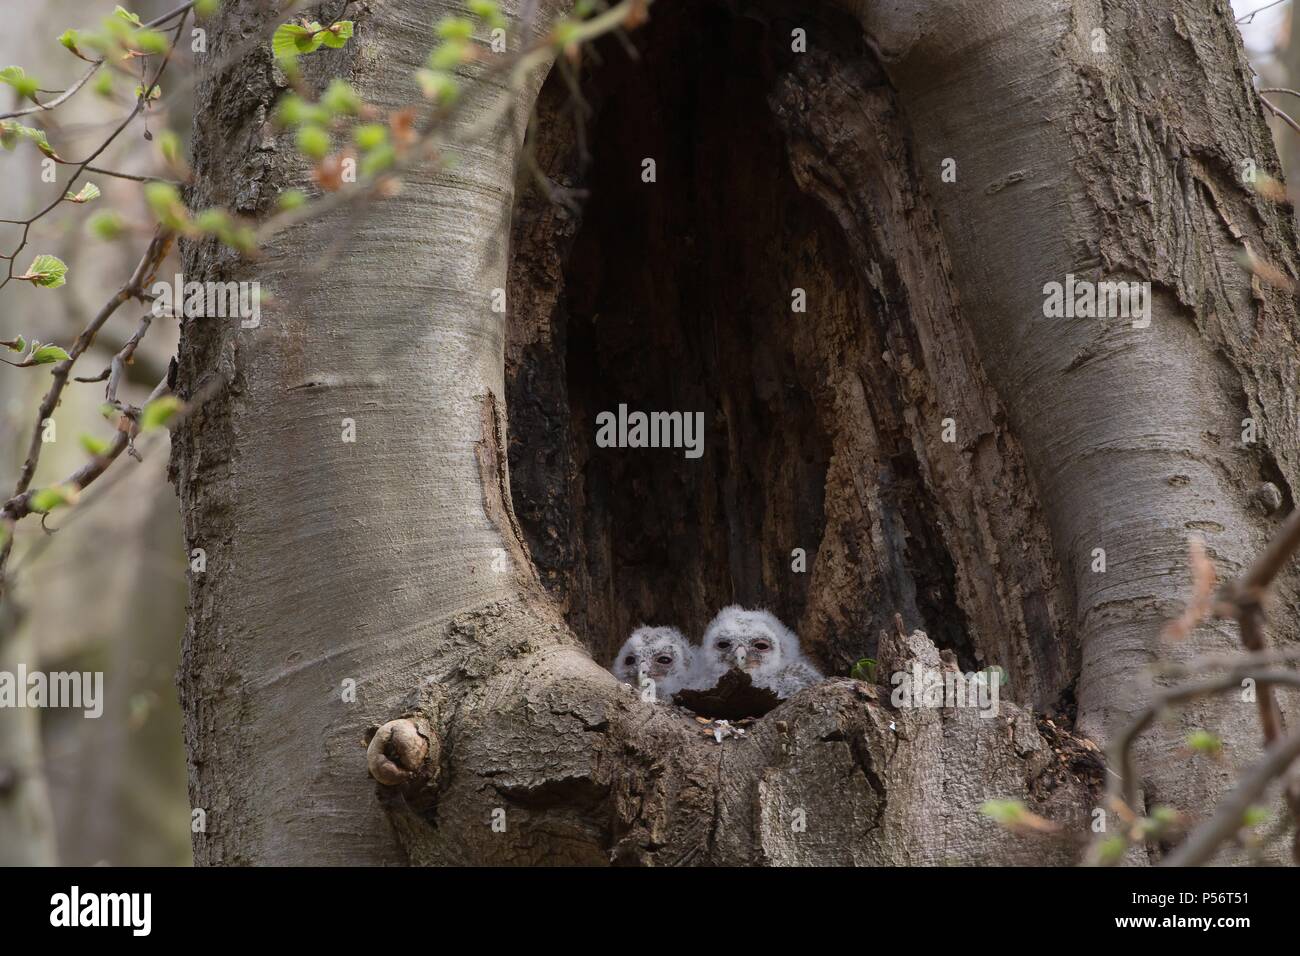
<point x="106" y="592"/>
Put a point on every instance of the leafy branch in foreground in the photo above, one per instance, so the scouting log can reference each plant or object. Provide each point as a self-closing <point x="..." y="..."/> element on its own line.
<point x="1242" y="602"/>
<point x="386" y="145"/>
<point x="1239" y="813"/>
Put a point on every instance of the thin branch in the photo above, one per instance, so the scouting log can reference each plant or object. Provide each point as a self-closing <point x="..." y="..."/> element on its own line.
<point x="67" y="94"/>
<point x="1250" y="17"/>
<point x="117" y="368"/>
<point x="1124" y="785"/>
<point x="627" y="12"/>
<point x="20" y="506"/>
<point x="1279" y="113"/>
<point x="159" y="20"/>
<point x="1201" y="845"/>
<point x="1240" y="600"/>
<point x="132" y="176"/>
<point x="139" y="281"/>
<point x="140" y="104"/>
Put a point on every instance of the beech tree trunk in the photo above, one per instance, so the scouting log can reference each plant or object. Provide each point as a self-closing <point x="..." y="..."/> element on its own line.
<point x="936" y="446"/>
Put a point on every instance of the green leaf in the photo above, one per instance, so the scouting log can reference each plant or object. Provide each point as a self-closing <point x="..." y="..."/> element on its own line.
<point x="293" y="110"/>
<point x="155" y="91"/>
<point x="243" y="238"/>
<point x="864" y="669"/>
<point x="438" y="86"/>
<point x="1160" y="820"/>
<point x="95" y="446"/>
<point x="148" y="41"/>
<point x="1005" y="812"/>
<point x="1202" y="741"/>
<point x="47" y="355"/>
<point x="87" y="192"/>
<point x="369" y="135"/>
<point x="337" y="35"/>
<point x="106" y="224"/>
<point x="1003" y="678"/>
<point x="37" y="136"/>
<point x="1254" y="816"/>
<point x="205" y="8"/>
<point x="340" y="99"/>
<point x="488" y="11"/>
<point x="1163" y="815"/>
<point x="11" y="132"/>
<point x="313" y="141"/>
<point x="127" y="15"/>
<point x="212" y="220"/>
<point x="46" y="500"/>
<point x="169" y="144"/>
<point x="17" y="345"/>
<point x="564" y="33"/>
<point x="68" y="40"/>
<point x="377" y="160"/>
<point x="1112" y="849"/>
<point x="48" y="272"/>
<point x="447" y="56"/>
<point x="454" y="28"/>
<point x="104" y="84"/>
<point x="17" y="77"/>
<point x="165" y="201"/>
<point x="292" y="199"/>
<point x="292" y="40"/>
<point x="159" y="412"/>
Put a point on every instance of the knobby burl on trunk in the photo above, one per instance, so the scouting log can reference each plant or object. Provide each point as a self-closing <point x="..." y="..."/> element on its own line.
<point x="1070" y="438"/>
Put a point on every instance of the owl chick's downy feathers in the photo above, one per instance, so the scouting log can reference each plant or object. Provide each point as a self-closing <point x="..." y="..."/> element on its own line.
<point x="757" y="643"/>
<point x="662" y="654"/>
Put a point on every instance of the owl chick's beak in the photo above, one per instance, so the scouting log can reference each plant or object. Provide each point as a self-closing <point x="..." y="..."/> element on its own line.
<point x="741" y="655"/>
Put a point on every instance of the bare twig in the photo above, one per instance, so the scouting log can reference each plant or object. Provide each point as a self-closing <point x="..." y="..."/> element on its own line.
<point x="1124" y="785"/>
<point x="132" y="176"/>
<point x="1242" y="601"/>
<point x="1277" y="111"/>
<point x="1201" y="845"/>
<point x="66" y="95"/>
<point x="141" y="102"/>
<point x="1250" y="17"/>
<point x="20" y="506"/>
<point x="134" y="288"/>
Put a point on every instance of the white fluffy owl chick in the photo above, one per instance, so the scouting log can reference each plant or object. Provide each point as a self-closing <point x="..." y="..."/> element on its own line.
<point x="662" y="654"/>
<point x="757" y="643"/>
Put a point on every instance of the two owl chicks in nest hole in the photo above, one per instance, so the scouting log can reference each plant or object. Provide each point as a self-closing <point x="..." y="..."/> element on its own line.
<point x="753" y="642"/>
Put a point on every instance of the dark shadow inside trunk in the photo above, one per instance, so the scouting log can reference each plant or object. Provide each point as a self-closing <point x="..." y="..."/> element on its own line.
<point x="683" y="294"/>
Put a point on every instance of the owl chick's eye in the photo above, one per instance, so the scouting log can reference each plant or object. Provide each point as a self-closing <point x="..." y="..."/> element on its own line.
<point x="664" y="659"/>
<point x="724" y="644"/>
<point x="629" y="659"/>
<point x="762" y="646"/>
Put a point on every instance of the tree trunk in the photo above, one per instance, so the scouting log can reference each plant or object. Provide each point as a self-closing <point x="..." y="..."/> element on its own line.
<point x="379" y="561"/>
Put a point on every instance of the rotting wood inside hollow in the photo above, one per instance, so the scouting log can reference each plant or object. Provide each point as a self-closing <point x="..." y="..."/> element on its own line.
<point x="676" y="295"/>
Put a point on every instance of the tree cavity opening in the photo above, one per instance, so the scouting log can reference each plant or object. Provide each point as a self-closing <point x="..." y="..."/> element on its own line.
<point x="670" y="263"/>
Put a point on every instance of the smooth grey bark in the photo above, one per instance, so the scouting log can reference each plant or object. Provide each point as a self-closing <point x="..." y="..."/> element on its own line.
<point x="1125" y="163"/>
<point x="373" y="561"/>
<point x="347" y="559"/>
